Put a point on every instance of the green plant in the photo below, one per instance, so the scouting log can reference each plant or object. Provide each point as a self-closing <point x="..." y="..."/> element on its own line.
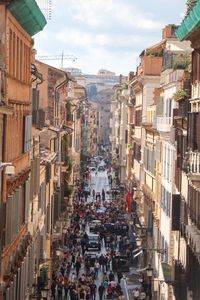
<point x="180" y="94"/>
<point x="182" y="61"/>
<point x="68" y="190"/>
<point x="156" y="54"/>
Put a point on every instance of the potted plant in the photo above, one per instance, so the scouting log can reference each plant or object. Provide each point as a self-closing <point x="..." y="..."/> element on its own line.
<point x="180" y="94"/>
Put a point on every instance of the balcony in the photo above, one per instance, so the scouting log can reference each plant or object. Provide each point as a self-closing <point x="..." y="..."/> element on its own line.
<point x="169" y="76"/>
<point x="164" y="124"/>
<point x="193" y="162"/>
<point x="150" y="66"/>
<point x="196" y="90"/>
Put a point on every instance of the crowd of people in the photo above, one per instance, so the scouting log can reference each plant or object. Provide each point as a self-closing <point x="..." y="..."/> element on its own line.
<point x="78" y="274"/>
<point x="84" y="274"/>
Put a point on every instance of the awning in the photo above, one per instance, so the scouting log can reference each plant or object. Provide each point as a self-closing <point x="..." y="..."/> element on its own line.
<point x="190" y="23"/>
<point x="29" y="15"/>
<point x="167" y="272"/>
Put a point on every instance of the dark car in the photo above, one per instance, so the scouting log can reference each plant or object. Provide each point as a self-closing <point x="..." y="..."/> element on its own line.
<point x="90" y="258"/>
<point x="93" y="242"/>
<point x="94" y="225"/>
<point x="101" y="168"/>
<point x="120" y="263"/>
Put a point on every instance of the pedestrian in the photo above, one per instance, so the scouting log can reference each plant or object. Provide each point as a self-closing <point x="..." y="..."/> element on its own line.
<point x="121" y="296"/>
<point x="53" y="289"/>
<point x="110" y="291"/>
<point x="93" y="289"/>
<point x="93" y="194"/>
<point x="59" y="290"/>
<point x="96" y="268"/>
<point x="86" y="196"/>
<point x="136" y="294"/>
<point x="66" y="286"/>
<point x="119" y="276"/>
<point x="103" y="195"/>
<point x="101" y="291"/>
<point x="78" y="265"/>
<point x="111" y="276"/>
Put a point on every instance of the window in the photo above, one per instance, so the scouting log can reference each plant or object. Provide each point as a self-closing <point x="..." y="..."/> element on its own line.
<point x="27" y="132"/>
<point x="138" y="117"/>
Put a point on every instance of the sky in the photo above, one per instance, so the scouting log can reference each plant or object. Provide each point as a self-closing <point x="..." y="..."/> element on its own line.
<point x="105" y="34"/>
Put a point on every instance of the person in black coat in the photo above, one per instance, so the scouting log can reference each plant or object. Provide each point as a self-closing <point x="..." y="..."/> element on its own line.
<point x="119" y="276"/>
<point x="101" y="291"/>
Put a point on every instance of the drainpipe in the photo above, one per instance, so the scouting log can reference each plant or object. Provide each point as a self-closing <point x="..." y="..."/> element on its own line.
<point x="67" y="79"/>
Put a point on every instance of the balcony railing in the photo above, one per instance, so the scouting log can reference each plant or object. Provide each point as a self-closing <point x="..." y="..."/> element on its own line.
<point x="164" y="124"/>
<point x="193" y="162"/>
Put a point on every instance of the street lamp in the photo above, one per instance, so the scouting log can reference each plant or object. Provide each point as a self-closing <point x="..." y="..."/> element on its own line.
<point x="45" y="293"/>
<point x="149" y="271"/>
<point x="138" y="241"/>
<point x="58" y="252"/>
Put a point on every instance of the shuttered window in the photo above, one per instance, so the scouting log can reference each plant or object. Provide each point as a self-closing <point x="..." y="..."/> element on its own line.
<point x="137" y="152"/>
<point x="138" y="117"/>
<point x="27" y="199"/>
<point x="195" y="67"/>
<point x="42" y="194"/>
<point x="149" y="160"/>
<point x="176" y="212"/>
<point x="27" y="132"/>
<point x="194" y="205"/>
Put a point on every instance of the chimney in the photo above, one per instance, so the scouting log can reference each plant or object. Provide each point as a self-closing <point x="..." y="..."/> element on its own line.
<point x="169" y="31"/>
<point x="131" y="76"/>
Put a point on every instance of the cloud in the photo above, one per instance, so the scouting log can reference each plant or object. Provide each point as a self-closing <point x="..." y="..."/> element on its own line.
<point x="106" y="13"/>
<point x="105" y="33"/>
<point x="86" y="40"/>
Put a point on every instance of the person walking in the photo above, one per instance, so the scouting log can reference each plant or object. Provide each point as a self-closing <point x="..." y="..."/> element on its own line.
<point x="53" y="289"/>
<point x="93" y="289"/>
<point x="101" y="291"/>
<point x="103" y="195"/>
<point x="119" y="276"/>
<point x="96" y="268"/>
<point x="93" y="194"/>
<point x="136" y="294"/>
<point x="78" y="265"/>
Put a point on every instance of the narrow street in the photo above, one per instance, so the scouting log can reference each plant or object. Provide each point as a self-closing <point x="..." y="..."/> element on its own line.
<point x="96" y="259"/>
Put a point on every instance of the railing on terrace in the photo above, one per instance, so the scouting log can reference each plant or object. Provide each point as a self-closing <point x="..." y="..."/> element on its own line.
<point x="164" y="123"/>
<point x="169" y="76"/>
<point x="191" y="162"/>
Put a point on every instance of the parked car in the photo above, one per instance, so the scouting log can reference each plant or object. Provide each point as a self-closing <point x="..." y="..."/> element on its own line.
<point x="120" y="263"/>
<point x="93" y="242"/>
<point x="93" y="225"/>
<point x="90" y="257"/>
<point x="101" y="169"/>
<point x="93" y="169"/>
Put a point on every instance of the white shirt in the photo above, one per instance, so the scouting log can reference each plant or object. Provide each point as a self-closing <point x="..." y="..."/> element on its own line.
<point x="136" y="293"/>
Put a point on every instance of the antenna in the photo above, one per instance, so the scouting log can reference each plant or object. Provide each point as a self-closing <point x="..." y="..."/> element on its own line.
<point x="46" y="8"/>
<point x="60" y="58"/>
